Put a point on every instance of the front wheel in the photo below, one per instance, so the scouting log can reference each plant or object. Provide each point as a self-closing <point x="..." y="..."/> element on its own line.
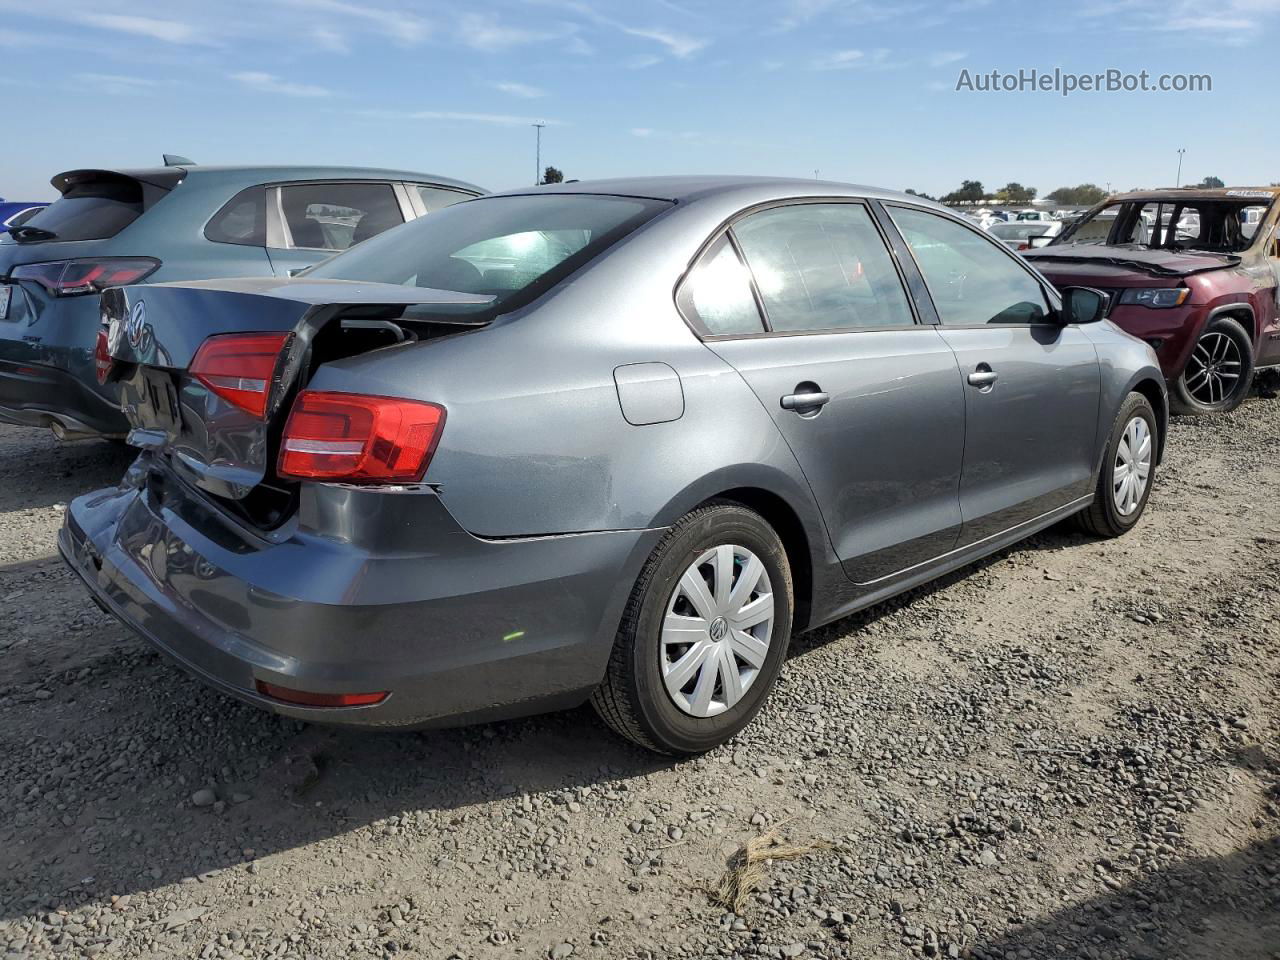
<point x="1128" y="471"/>
<point x="703" y="636"/>
<point x="1219" y="372"/>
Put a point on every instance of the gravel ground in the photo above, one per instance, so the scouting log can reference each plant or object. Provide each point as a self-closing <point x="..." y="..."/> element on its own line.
<point x="1069" y="750"/>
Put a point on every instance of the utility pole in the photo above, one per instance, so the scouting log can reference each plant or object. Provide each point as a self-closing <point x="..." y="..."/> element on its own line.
<point x="537" y="156"/>
<point x="1181" y="151"/>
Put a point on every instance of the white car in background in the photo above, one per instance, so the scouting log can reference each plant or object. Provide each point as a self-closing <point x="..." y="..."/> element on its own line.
<point x="1023" y="235"/>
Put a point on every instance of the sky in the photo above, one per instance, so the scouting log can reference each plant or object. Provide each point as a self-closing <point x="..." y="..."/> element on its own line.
<point x="862" y="91"/>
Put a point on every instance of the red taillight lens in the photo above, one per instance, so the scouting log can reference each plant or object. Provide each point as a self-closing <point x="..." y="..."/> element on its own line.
<point x="239" y="367"/>
<point x="102" y="361"/>
<point x="358" y="438"/>
<point x="304" y="698"/>
<point x="70" y="278"/>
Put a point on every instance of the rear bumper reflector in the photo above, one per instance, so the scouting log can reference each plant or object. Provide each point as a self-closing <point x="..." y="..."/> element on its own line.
<point x="304" y="698"/>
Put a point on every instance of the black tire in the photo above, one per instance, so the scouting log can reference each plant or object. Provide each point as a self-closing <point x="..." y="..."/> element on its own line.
<point x="1194" y="391"/>
<point x="1103" y="518"/>
<point x="632" y="698"/>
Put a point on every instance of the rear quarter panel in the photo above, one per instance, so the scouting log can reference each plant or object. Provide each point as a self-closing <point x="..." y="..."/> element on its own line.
<point x="535" y="440"/>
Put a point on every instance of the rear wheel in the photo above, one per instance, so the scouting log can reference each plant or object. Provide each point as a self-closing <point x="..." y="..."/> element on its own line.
<point x="703" y="636"/>
<point x="1128" y="471"/>
<point x="1218" y="374"/>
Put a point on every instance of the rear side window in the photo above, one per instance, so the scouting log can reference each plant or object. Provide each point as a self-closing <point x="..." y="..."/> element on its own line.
<point x="242" y="220"/>
<point x="971" y="280"/>
<point x="822" y="266"/>
<point x="92" y="210"/>
<point x="437" y="198"/>
<point x="717" y="295"/>
<point x="336" y="216"/>
<point x="511" y="248"/>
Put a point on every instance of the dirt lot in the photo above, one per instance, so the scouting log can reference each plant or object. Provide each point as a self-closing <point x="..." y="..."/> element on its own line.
<point x="1070" y="750"/>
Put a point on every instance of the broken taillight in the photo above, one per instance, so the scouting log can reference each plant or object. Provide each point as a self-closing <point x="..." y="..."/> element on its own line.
<point x="102" y="361"/>
<point x="359" y="438"/>
<point x="240" y="367"/>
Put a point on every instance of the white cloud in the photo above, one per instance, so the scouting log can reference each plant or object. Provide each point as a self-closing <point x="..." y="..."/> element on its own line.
<point x="328" y="39"/>
<point x="269" y="83"/>
<point x="677" y="44"/>
<point x="114" y="84"/>
<point x="522" y="90"/>
<point x="484" y="32"/>
<point x="946" y="57"/>
<point x="497" y="119"/>
<point x="642" y="62"/>
<point x="170" y="31"/>
<point x="406" y="29"/>
<point x="642" y="131"/>
<point x="840" y="60"/>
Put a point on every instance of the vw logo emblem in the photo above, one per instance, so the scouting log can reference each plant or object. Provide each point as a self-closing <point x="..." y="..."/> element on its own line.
<point x="135" y="327"/>
<point x="719" y="628"/>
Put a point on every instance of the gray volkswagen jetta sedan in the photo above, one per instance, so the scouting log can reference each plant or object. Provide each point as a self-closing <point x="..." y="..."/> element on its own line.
<point x="615" y="441"/>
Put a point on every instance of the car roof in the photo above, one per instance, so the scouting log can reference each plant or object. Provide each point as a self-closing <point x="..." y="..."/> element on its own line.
<point x="686" y="189"/>
<point x="250" y="175"/>
<point x="1199" y="193"/>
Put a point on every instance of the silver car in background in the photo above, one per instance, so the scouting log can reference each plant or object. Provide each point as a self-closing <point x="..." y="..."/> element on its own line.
<point x="1023" y="235"/>
<point x="615" y="441"/>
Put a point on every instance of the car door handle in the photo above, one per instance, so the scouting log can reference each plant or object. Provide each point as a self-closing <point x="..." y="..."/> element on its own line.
<point x="804" y="401"/>
<point x="984" y="376"/>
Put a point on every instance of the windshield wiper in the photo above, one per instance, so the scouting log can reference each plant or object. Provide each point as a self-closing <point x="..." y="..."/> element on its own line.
<point x="25" y="234"/>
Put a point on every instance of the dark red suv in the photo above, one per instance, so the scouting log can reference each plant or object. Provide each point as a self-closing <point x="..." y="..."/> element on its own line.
<point x="1192" y="271"/>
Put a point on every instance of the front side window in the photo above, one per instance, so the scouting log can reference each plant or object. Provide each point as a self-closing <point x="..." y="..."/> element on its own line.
<point x="511" y="248"/>
<point x="971" y="280"/>
<point x="335" y="216"/>
<point x="717" y="294"/>
<point x="822" y="266"/>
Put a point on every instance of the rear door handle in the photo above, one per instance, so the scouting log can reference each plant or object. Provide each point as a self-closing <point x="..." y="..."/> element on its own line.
<point x="804" y="401"/>
<point x="984" y="376"/>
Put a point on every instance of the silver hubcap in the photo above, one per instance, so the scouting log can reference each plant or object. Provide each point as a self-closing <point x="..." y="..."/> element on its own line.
<point x="716" y="633"/>
<point x="1214" y="368"/>
<point x="1132" y="467"/>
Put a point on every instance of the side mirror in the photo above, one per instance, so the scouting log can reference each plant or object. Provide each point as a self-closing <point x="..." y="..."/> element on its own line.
<point x="1083" y="305"/>
<point x="1041" y="241"/>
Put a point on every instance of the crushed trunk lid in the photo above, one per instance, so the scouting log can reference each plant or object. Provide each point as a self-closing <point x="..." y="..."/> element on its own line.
<point x="154" y="333"/>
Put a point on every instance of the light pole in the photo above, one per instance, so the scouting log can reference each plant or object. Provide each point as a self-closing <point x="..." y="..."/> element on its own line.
<point x="1181" y="151"/>
<point x="537" y="155"/>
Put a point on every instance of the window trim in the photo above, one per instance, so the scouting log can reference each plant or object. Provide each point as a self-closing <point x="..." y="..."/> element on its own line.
<point x="725" y="229"/>
<point x="1052" y="300"/>
<point x="420" y="205"/>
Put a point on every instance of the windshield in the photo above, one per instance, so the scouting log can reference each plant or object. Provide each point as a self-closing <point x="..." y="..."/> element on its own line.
<point x="511" y="248"/>
<point x="1209" y="224"/>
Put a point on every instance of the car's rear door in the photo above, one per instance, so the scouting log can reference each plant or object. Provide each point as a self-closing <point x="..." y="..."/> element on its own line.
<point x="1031" y="385"/>
<point x="311" y="221"/>
<point x="868" y="398"/>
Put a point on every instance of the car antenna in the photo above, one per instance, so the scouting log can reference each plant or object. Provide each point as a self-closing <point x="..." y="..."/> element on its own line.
<point x="177" y="160"/>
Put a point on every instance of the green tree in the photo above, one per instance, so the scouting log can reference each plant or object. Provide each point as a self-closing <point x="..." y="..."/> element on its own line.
<point x="552" y="175"/>
<point x="1212" y="183"/>
<point x="971" y="191"/>
<point x="1016" y="193"/>
<point x="917" y="193"/>
<point x="1085" y="195"/>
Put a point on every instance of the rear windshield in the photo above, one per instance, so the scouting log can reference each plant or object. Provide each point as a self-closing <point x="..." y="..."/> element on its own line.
<point x="94" y="210"/>
<point x="510" y="248"/>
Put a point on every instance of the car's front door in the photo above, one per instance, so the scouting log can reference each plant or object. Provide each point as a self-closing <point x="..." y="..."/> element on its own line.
<point x="312" y="221"/>
<point x="1031" y="384"/>
<point x="867" y="398"/>
<point x="1269" y="347"/>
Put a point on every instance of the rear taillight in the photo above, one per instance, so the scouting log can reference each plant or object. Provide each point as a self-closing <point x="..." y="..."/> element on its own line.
<point x="358" y="438"/>
<point x="102" y="361"/>
<point x="239" y="367"/>
<point x="70" y="278"/>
